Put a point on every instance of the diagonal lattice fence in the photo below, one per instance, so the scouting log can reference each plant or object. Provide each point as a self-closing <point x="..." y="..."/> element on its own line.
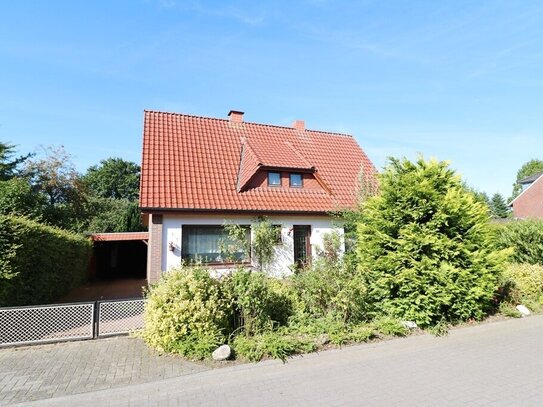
<point x="119" y="317"/>
<point x="46" y="323"/>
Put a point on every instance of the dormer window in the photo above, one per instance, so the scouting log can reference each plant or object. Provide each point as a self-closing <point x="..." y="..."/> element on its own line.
<point x="274" y="179"/>
<point x="296" y="180"/>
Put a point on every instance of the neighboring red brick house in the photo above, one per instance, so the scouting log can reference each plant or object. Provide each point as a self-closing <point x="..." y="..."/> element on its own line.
<point x="200" y="172"/>
<point x="529" y="204"/>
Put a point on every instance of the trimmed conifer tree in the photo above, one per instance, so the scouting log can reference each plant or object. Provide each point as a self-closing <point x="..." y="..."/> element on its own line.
<point x="425" y="246"/>
<point x="498" y="207"/>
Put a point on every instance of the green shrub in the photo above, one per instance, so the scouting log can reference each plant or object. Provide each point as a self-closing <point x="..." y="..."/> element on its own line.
<point x="337" y="330"/>
<point x="308" y="325"/>
<point x="282" y="300"/>
<point x="331" y="247"/>
<point x="256" y="302"/>
<point x="328" y="287"/>
<point x="277" y="344"/>
<point x="361" y="333"/>
<point x="425" y="246"/>
<point x="186" y="313"/>
<point x="264" y="241"/>
<point x="39" y="263"/>
<point x="390" y="326"/>
<point x="525" y="282"/>
<point x="525" y="237"/>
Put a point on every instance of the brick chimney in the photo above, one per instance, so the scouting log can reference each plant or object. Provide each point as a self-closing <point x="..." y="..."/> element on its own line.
<point x="299" y="125"/>
<point x="236" y="116"/>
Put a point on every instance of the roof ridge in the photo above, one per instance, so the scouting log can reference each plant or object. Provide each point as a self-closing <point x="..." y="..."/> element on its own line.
<point x="245" y="122"/>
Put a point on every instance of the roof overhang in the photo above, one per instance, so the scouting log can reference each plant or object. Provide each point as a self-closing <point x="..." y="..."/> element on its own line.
<point x="234" y="211"/>
<point x="308" y="170"/>
<point x="119" y="237"/>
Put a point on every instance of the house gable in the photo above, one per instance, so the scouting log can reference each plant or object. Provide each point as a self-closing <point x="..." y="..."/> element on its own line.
<point x="529" y="204"/>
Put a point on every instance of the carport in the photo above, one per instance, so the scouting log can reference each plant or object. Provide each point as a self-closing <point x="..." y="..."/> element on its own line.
<point x="117" y="268"/>
<point x="119" y="256"/>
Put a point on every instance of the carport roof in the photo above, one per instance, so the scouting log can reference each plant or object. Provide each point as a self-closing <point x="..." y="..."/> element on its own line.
<point x="117" y="237"/>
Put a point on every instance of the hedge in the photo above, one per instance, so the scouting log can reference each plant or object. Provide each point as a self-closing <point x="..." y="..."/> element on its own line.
<point x="39" y="263"/>
<point x="525" y="237"/>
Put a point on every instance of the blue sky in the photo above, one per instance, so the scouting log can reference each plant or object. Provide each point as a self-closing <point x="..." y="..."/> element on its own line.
<point x="456" y="80"/>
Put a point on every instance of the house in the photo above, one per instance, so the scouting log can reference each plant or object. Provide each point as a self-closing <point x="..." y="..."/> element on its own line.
<point x="199" y="173"/>
<point x="529" y="203"/>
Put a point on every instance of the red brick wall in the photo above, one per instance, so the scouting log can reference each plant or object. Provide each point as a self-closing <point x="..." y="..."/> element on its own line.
<point x="530" y="203"/>
<point x="154" y="249"/>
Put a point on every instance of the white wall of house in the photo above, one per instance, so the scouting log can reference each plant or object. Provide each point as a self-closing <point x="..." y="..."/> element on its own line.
<point x="172" y="234"/>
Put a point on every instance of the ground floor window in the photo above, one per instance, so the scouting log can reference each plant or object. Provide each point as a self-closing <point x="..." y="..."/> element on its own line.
<point x="212" y="244"/>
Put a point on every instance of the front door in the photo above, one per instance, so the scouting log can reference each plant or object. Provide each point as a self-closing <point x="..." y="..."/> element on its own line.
<point x="302" y="247"/>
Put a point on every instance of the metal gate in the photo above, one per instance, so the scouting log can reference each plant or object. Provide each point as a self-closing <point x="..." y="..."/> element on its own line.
<point x="119" y="317"/>
<point x="46" y="323"/>
<point x="74" y="321"/>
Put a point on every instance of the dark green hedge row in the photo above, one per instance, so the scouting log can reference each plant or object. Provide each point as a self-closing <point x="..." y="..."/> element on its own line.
<point x="39" y="263"/>
<point x="525" y="237"/>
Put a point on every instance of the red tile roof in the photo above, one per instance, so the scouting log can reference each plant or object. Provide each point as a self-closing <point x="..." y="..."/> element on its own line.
<point x="116" y="237"/>
<point x="200" y="163"/>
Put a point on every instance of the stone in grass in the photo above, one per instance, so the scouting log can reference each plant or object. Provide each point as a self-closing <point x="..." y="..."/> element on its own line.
<point x="409" y="324"/>
<point x="223" y="352"/>
<point x="523" y="310"/>
<point x="323" y="339"/>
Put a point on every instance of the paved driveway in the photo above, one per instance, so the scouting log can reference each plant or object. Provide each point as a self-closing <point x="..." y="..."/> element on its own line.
<point x="51" y="371"/>
<point x="491" y="364"/>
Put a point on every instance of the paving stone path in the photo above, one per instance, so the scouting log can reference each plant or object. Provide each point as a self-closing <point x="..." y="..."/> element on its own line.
<point x="491" y="364"/>
<point x="50" y="371"/>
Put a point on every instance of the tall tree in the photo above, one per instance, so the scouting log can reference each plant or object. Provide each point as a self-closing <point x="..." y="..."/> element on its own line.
<point x="8" y="162"/>
<point x="498" y="207"/>
<point x="531" y="167"/>
<point x="114" y="178"/>
<point x="113" y="215"/>
<point x="53" y="174"/>
<point x="113" y="188"/>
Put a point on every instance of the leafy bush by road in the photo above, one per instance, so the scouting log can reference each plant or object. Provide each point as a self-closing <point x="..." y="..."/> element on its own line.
<point x="426" y="248"/>
<point x="186" y="313"/>
<point x="523" y="284"/>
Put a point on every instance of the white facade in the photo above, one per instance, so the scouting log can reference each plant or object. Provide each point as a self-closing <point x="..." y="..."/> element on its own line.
<point x="172" y="234"/>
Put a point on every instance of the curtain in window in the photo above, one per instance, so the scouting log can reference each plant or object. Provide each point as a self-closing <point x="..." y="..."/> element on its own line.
<point x="210" y="244"/>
